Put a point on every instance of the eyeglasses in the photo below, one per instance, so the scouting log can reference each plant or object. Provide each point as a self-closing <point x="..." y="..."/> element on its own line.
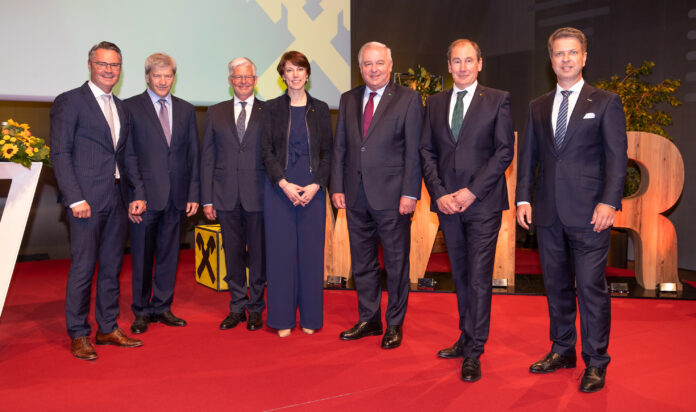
<point x="244" y="77"/>
<point x="103" y="65"/>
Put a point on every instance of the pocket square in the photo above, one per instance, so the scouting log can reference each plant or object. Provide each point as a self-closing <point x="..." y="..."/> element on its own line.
<point x="589" y="116"/>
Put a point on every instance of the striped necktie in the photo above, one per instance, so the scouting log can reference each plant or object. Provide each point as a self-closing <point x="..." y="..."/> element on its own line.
<point x="562" y="120"/>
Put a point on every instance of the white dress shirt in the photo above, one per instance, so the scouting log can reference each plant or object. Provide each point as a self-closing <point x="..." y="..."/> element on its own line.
<point x="375" y="100"/>
<point x="572" y="99"/>
<point x="465" y="102"/>
<point x="238" y="108"/>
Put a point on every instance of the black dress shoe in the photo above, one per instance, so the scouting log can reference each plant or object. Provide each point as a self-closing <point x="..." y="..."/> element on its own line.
<point x="392" y="337"/>
<point x="471" y="370"/>
<point x="168" y="319"/>
<point x="552" y="362"/>
<point x="140" y="324"/>
<point x="451" y="353"/>
<point x="362" y="329"/>
<point x="255" y="322"/>
<point x="232" y="320"/>
<point x="592" y="379"/>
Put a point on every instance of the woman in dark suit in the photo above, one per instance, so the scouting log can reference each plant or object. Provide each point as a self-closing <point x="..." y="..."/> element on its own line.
<point x="296" y="145"/>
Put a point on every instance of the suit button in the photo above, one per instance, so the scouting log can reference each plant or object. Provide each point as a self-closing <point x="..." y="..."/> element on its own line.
<point x="358" y="171"/>
<point x="362" y="149"/>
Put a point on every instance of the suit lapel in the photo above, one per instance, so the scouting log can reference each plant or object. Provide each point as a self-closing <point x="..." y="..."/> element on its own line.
<point x="97" y="113"/>
<point x="357" y="102"/>
<point x="178" y="126"/>
<point x="123" y="132"/>
<point x="384" y="102"/>
<point x="255" y="115"/>
<point x="546" y="112"/>
<point x="445" y="112"/>
<point x="233" y="122"/>
<point x="149" y="109"/>
<point x="581" y="107"/>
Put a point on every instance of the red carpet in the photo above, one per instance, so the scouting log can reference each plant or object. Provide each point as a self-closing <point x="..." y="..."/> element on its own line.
<point x="200" y="368"/>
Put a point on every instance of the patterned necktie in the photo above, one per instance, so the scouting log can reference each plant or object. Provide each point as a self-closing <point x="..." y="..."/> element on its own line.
<point x="106" y="98"/>
<point x="241" y="122"/>
<point x="368" y="113"/>
<point x="164" y="120"/>
<point x="458" y="115"/>
<point x="561" y="120"/>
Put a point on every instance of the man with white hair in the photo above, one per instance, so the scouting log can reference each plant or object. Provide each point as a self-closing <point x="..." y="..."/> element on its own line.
<point x="376" y="177"/>
<point x="232" y="176"/>
<point x="164" y="138"/>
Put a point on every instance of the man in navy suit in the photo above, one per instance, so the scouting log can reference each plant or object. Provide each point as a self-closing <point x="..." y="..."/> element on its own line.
<point x="164" y="138"/>
<point x="232" y="176"/>
<point x="576" y="138"/>
<point x="376" y="177"/>
<point x="89" y="130"/>
<point x="466" y="145"/>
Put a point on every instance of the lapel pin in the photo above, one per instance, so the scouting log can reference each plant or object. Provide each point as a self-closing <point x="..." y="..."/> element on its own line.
<point x="389" y="94"/>
<point x="589" y="100"/>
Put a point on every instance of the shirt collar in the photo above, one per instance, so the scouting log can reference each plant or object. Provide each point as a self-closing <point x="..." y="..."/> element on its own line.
<point x="97" y="91"/>
<point x="379" y="91"/>
<point x="249" y="101"/>
<point x="574" y="88"/>
<point x="469" y="90"/>
<point x="155" y="98"/>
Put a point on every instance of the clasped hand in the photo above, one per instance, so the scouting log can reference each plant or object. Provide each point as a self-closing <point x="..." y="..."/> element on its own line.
<point x="299" y="195"/>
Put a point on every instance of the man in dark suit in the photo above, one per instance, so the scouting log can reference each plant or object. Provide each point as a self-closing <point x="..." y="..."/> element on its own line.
<point x="89" y="130"/>
<point x="164" y="138"/>
<point x="576" y="137"/>
<point x="376" y="177"/>
<point x="466" y="145"/>
<point x="232" y="176"/>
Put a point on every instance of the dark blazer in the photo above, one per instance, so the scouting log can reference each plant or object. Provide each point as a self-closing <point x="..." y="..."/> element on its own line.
<point x="276" y="134"/>
<point x="589" y="168"/>
<point x="479" y="157"/>
<point x="167" y="170"/>
<point x="387" y="160"/>
<point x="83" y="154"/>
<point x="232" y="172"/>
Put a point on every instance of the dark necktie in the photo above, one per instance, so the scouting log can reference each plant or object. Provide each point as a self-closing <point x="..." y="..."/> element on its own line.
<point x="562" y="120"/>
<point x="458" y="115"/>
<point x="368" y="113"/>
<point x="241" y="122"/>
<point x="164" y="121"/>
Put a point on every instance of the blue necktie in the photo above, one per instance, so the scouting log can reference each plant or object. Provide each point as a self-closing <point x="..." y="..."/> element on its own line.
<point x="562" y="120"/>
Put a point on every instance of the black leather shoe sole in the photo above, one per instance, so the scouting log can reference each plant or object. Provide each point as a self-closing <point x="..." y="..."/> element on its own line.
<point x="229" y="322"/>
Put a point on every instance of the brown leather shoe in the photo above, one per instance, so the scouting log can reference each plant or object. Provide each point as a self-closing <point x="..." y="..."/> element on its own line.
<point x="82" y="348"/>
<point x="118" y="338"/>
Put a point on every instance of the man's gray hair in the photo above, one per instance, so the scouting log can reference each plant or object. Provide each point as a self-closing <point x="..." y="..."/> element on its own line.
<point x="241" y="61"/>
<point x="373" y="44"/>
<point x="159" y="60"/>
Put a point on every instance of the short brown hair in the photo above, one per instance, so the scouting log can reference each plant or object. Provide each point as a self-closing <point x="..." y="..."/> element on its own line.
<point x="296" y="58"/>
<point x="459" y="42"/>
<point x="106" y="46"/>
<point x="565" y="32"/>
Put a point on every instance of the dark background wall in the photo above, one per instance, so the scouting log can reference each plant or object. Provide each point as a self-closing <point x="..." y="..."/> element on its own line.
<point x="512" y="35"/>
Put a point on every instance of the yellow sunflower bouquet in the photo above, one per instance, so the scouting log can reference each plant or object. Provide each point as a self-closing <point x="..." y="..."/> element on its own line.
<point x="18" y="145"/>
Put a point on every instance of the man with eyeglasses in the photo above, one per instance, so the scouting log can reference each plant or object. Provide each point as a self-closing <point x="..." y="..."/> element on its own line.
<point x="164" y="138"/>
<point x="89" y="132"/>
<point x="576" y="138"/>
<point x="232" y="177"/>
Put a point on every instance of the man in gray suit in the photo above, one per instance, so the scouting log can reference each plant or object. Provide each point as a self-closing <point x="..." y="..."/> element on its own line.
<point x="376" y="177"/>
<point x="232" y="176"/>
